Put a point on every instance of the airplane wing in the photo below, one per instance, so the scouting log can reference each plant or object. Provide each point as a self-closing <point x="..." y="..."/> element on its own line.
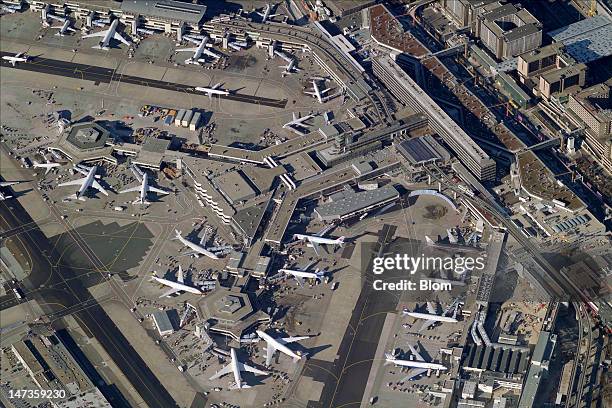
<point x="316" y="248"/>
<point x="426" y="325"/>
<point x="98" y="187"/>
<point x="225" y="370"/>
<point x="416" y="354"/>
<point x="286" y="340"/>
<point x="325" y="230"/>
<point x="169" y="292"/>
<point x="180" y="278"/>
<point x="324" y="91"/>
<point x="244" y="367"/>
<point x="119" y="37"/>
<point x="270" y="350"/>
<point x="129" y="190"/>
<point x="96" y="34"/>
<point x="77" y="182"/>
<point x="158" y="190"/>
<point x="215" y="86"/>
<point x="414" y="373"/>
<point x="431" y="308"/>
<point x="19" y="55"/>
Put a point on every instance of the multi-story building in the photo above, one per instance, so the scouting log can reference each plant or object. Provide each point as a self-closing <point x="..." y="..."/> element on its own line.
<point x="407" y="91"/>
<point x="465" y="12"/>
<point x="593" y="108"/>
<point x="508" y="31"/>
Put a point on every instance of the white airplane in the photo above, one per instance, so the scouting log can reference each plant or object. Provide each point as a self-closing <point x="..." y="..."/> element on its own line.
<point x="64" y="28"/>
<point x="237" y="45"/>
<point x="104" y="44"/>
<point x="89" y="181"/>
<point x="280" y="344"/>
<point x="21" y="57"/>
<point x="10" y="8"/>
<point x="433" y="317"/>
<point x="198" y="51"/>
<point x="290" y="60"/>
<point x="300" y="274"/>
<point x="48" y="165"/>
<point x="266" y="13"/>
<point x="144" y="186"/>
<point x="318" y="239"/>
<point x="317" y="92"/>
<point x="235" y="367"/>
<point x="178" y="286"/>
<point x="214" y="90"/>
<point x="6" y="184"/>
<point x="418" y="367"/>
<point x="297" y="121"/>
<point x="195" y="248"/>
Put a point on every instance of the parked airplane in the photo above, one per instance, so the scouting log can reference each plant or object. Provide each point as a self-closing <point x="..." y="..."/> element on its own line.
<point x="235" y="367"/>
<point x="196" y="249"/>
<point x="214" y="90"/>
<point x="89" y="181"/>
<point x="144" y="187"/>
<point x="21" y="57"/>
<point x="300" y="274"/>
<point x="280" y="344"/>
<point x="265" y="15"/>
<point x="297" y="123"/>
<point x="317" y="92"/>
<point x="433" y="317"/>
<point x="48" y="165"/>
<point x="6" y="184"/>
<point x="418" y="367"/>
<point x="237" y="45"/>
<point x="178" y="286"/>
<point x="64" y="28"/>
<point x="198" y="51"/>
<point x="291" y="62"/>
<point x="104" y="44"/>
<point x="451" y="247"/>
<point x="10" y="8"/>
<point x="315" y="240"/>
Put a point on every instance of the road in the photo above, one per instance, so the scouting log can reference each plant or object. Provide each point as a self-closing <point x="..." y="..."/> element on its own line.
<point x="106" y="75"/>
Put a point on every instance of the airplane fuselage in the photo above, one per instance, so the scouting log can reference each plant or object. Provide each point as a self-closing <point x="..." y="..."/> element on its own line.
<point x="319" y="240"/>
<point x="211" y="91"/>
<point x="111" y="32"/>
<point x="432" y="317"/>
<point x="278" y="345"/>
<point x="87" y="182"/>
<point x="178" y="285"/>
<point x="302" y="274"/>
<point x="236" y="369"/>
<point x="416" y="364"/>
<point x="196" y="248"/>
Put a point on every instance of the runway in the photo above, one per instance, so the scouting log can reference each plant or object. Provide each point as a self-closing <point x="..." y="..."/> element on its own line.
<point x="106" y="75"/>
<point x="54" y="287"/>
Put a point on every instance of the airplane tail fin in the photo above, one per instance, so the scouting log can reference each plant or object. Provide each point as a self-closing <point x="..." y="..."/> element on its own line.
<point x="341" y="239"/>
<point x="178" y="234"/>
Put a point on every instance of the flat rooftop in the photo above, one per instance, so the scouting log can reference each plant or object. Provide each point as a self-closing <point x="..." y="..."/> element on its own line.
<point x="388" y="31"/>
<point x="234" y="186"/>
<point x="165" y="9"/>
<point x="586" y="40"/>
<point x="422" y="149"/>
<point x="538" y="180"/>
<point x="353" y="203"/>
